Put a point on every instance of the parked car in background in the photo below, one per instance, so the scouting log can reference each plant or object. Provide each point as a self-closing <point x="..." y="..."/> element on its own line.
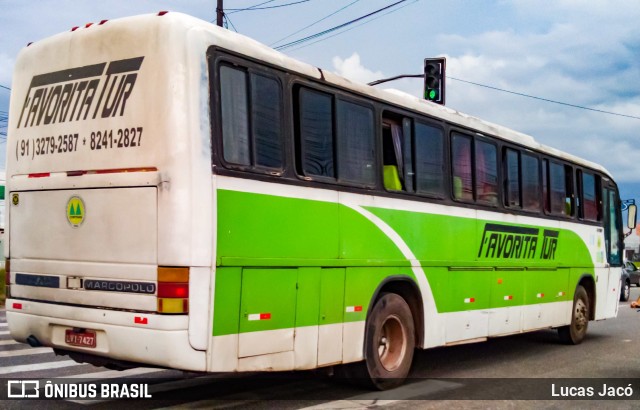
<point x="625" y="288"/>
<point x="633" y="271"/>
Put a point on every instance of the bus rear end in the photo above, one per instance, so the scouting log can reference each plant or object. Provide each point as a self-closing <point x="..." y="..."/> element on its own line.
<point x="105" y="182"/>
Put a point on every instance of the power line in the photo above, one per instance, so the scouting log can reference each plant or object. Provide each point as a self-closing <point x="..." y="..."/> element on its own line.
<point x="545" y="99"/>
<point x="314" y="23"/>
<point x="311" y="37"/>
<point x="226" y="17"/>
<point x="354" y="27"/>
<point x="251" y="7"/>
<point x="5" y="87"/>
<point x="269" y="7"/>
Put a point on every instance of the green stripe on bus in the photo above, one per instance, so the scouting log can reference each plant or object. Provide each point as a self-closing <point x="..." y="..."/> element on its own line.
<point x="333" y="259"/>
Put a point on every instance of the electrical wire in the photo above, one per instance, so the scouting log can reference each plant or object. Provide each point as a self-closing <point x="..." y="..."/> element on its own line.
<point x="314" y="23"/>
<point x="269" y="7"/>
<point x="226" y="17"/>
<point x="338" y="27"/>
<point x="5" y="87"/>
<point x="545" y="99"/>
<point x="354" y="27"/>
<point x="251" y="7"/>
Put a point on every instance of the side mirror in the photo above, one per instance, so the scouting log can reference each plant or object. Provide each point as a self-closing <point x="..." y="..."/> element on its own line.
<point x="632" y="216"/>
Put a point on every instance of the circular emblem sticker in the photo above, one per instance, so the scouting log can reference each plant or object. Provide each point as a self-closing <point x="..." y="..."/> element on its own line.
<point x="15" y="199"/>
<point x="75" y="211"/>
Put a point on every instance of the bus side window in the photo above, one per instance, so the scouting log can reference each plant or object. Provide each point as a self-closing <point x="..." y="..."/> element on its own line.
<point x="235" y="115"/>
<point x="392" y="157"/>
<point x="486" y="172"/>
<point x="530" y="182"/>
<point x="461" y="167"/>
<point x="356" y="143"/>
<point x="429" y="149"/>
<point x="251" y="114"/>
<point x="588" y="201"/>
<point x="315" y="121"/>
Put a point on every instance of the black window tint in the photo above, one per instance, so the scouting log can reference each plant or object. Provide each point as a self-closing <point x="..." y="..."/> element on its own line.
<point x="316" y="133"/>
<point x="462" y="167"/>
<point x="486" y="172"/>
<point x="530" y="183"/>
<point x="356" y="142"/>
<point x="545" y="186"/>
<point x="429" y="160"/>
<point x="407" y="150"/>
<point x="266" y="104"/>
<point x="235" y="115"/>
<point x="589" y="199"/>
<point x="558" y="189"/>
<point x="513" y="178"/>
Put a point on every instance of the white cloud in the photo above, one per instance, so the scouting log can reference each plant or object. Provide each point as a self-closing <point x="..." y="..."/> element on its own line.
<point x="352" y="68"/>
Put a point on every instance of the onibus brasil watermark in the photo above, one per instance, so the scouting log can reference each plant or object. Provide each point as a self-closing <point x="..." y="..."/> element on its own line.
<point x="38" y="389"/>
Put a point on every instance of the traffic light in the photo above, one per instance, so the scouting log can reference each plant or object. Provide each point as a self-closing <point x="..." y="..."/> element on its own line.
<point x="434" y="79"/>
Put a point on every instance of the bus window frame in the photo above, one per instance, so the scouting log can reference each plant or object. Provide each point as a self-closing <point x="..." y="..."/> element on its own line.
<point x="298" y="83"/>
<point x="218" y="58"/>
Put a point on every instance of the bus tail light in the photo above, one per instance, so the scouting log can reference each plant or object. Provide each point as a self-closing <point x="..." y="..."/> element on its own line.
<point x="173" y="290"/>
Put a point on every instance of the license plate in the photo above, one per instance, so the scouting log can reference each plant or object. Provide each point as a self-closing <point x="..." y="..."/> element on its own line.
<point x="82" y="339"/>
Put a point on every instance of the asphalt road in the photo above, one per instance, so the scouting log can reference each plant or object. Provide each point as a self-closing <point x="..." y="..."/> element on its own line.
<point x="529" y="368"/>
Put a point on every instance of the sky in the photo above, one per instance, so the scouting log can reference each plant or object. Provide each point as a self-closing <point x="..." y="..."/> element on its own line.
<point x="579" y="52"/>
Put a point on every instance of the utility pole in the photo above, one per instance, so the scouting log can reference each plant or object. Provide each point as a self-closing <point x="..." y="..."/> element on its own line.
<point x="219" y="13"/>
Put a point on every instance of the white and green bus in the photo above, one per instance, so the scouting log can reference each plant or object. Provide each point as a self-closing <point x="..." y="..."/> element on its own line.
<point x="182" y="196"/>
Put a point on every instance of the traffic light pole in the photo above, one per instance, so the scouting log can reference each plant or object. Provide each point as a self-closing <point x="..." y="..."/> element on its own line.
<point x="384" y="80"/>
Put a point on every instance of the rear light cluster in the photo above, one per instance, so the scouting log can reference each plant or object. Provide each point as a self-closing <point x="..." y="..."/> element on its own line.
<point x="173" y="290"/>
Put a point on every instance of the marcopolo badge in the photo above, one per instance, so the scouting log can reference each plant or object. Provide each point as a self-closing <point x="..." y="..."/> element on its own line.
<point x="75" y="211"/>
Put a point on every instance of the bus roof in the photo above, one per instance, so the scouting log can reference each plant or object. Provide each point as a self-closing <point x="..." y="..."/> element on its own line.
<point x="249" y="47"/>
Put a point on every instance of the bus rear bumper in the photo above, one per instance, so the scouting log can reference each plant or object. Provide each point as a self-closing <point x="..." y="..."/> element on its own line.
<point x="147" y="339"/>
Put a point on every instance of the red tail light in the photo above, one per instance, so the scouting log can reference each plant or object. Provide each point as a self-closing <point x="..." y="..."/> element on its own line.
<point x="173" y="290"/>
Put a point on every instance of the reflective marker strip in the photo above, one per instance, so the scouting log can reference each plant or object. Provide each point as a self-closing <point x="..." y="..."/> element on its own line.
<point x="469" y="300"/>
<point x="540" y="295"/>
<point x="508" y="297"/>
<point x="140" y="320"/>
<point x="260" y="316"/>
<point x="351" y="309"/>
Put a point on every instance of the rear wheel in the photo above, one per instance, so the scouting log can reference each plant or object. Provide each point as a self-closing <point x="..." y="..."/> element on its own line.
<point x="625" y="292"/>
<point x="389" y="342"/>
<point x="574" y="333"/>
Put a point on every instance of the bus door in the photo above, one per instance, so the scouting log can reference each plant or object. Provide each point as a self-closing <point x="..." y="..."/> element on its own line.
<point x="608" y="279"/>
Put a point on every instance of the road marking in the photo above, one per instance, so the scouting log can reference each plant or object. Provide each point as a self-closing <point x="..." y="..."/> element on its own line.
<point x="4" y="325"/>
<point x="26" y="352"/>
<point x="4" y="332"/>
<point x="8" y="342"/>
<point x="37" y="366"/>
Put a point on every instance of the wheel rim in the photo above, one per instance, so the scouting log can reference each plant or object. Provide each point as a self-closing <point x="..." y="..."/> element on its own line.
<point x="627" y="291"/>
<point x="392" y="344"/>
<point x="581" y="318"/>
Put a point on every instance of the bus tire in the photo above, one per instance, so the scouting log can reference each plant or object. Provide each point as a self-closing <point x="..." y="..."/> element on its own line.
<point x="626" y="291"/>
<point x="389" y="342"/>
<point x="574" y="333"/>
